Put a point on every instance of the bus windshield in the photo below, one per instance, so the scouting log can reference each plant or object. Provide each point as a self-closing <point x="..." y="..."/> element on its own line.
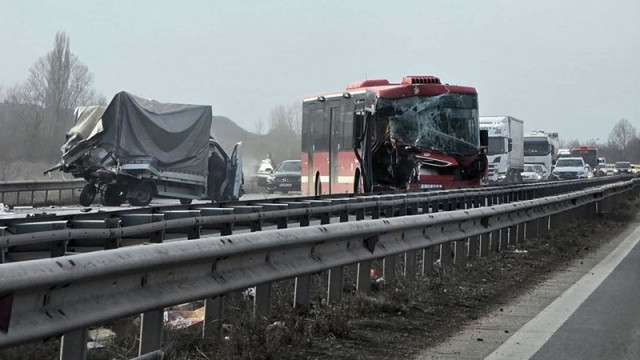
<point x="447" y="123"/>
<point x="590" y="156"/>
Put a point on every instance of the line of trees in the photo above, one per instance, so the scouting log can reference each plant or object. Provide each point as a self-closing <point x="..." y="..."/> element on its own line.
<point x="622" y="144"/>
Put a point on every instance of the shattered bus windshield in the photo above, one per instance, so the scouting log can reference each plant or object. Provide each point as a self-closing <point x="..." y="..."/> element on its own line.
<point x="446" y="123"/>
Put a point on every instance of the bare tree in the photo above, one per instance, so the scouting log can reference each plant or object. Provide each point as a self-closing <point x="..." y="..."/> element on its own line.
<point x="259" y="127"/>
<point x="621" y="136"/>
<point x="58" y="81"/>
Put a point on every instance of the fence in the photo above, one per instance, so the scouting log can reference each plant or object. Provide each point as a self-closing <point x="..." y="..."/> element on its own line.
<point x="65" y="295"/>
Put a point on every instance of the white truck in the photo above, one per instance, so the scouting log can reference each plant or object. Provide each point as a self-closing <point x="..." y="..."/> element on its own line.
<point x="541" y="148"/>
<point x="505" y="153"/>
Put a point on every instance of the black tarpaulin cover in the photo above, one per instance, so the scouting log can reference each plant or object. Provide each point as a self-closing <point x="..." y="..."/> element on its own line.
<point x="177" y="135"/>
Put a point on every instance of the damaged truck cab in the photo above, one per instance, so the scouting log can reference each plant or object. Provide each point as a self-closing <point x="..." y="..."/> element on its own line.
<point x="137" y="149"/>
<point x="378" y="136"/>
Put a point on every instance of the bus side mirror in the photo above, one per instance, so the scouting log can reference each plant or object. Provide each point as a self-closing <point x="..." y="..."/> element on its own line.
<point x="510" y="144"/>
<point x="484" y="138"/>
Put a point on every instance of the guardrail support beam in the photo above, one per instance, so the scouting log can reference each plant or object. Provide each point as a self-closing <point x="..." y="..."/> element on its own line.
<point x="460" y="259"/>
<point x="302" y="292"/>
<point x="334" y="291"/>
<point x="363" y="284"/>
<point x="474" y="246"/>
<point x="495" y="241"/>
<point x="151" y="323"/>
<point x="410" y="265"/>
<point x="262" y="301"/>
<point x="74" y="345"/>
<point x="445" y="254"/>
<point x="212" y="324"/>
<point x="484" y="244"/>
<point x="427" y="260"/>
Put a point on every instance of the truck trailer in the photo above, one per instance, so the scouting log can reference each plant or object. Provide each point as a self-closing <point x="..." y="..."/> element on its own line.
<point x="505" y="152"/>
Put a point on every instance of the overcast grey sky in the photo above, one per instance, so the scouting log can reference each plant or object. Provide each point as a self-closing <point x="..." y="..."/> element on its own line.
<point x="566" y="66"/>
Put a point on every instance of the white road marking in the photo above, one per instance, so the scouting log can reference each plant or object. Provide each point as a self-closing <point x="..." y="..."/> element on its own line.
<point x="531" y="337"/>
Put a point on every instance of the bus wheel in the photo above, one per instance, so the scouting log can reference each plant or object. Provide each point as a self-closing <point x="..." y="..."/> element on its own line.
<point x="318" y="185"/>
<point x="357" y="182"/>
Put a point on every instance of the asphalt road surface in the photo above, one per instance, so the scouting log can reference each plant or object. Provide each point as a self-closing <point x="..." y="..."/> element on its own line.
<point x="589" y="311"/>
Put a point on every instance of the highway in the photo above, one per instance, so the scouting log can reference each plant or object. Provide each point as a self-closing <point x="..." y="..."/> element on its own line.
<point x="588" y="311"/>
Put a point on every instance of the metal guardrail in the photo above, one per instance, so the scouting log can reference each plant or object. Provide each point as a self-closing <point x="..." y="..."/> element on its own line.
<point x="35" y="187"/>
<point x="65" y="295"/>
<point x="58" y="234"/>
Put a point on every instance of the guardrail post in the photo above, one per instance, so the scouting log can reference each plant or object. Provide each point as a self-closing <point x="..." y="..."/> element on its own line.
<point x="151" y="331"/>
<point x="410" y="265"/>
<point x="445" y="254"/>
<point x="474" y="245"/>
<point x="74" y="345"/>
<point x="112" y="243"/>
<point x="531" y="228"/>
<point x="504" y="238"/>
<point x="212" y="324"/>
<point x="334" y="292"/>
<point x="495" y="240"/>
<point x="460" y="259"/>
<point x="513" y="230"/>
<point x="224" y="228"/>
<point x="389" y="268"/>
<point x="363" y="284"/>
<point x="427" y="260"/>
<point x="521" y="232"/>
<point x="262" y="300"/>
<point x="302" y="292"/>
<point x="484" y="244"/>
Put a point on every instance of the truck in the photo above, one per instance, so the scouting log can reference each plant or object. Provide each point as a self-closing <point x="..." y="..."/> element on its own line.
<point x="136" y="149"/>
<point x="381" y="136"/>
<point x="541" y="148"/>
<point x="505" y="152"/>
<point x="590" y="156"/>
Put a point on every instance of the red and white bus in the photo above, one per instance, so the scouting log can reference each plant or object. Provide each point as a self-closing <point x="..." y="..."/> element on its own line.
<point x="376" y="136"/>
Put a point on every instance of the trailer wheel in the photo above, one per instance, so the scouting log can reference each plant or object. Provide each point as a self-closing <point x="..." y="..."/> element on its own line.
<point x="142" y="194"/>
<point x="88" y="194"/>
<point x="113" y="195"/>
<point x="185" y="201"/>
<point x="318" y="185"/>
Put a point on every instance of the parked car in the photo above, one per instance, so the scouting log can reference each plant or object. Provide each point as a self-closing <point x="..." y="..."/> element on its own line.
<point x="623" y="167"/>
<point x="264" y="172"/>
<point x="534" y="172"/>
<point x="286" y="177"/>
<point x="635" y="169"/>
<point x="570" y="168"/>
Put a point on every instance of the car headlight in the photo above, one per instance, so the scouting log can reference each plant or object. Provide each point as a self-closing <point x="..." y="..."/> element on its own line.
<point x="538" y="176"/>
<point x="271" y="179"/>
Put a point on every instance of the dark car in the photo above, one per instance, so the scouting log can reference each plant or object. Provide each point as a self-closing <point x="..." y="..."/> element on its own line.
<point x="623" y="167"/>
<point x="286" y="177"/>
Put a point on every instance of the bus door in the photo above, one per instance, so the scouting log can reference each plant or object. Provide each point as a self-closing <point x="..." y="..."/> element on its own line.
<point x="335" y="129"/>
